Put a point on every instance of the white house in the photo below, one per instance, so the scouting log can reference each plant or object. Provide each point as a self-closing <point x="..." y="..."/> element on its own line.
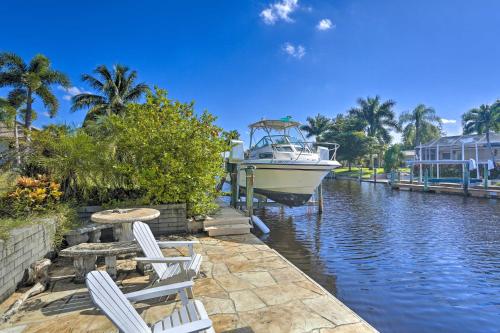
<point x="460" y="147"/>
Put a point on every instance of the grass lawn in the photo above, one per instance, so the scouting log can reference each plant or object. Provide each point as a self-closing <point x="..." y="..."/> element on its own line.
<point x="367" y="173"/>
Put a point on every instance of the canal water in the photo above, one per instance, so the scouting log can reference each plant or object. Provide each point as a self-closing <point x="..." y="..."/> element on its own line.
<point x="404" y="261"/>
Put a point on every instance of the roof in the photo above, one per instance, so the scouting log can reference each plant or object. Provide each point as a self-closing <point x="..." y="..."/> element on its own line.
<point x="8" y="132"/>
<point x="278" y="124"/>
<point x="458" y="140"/>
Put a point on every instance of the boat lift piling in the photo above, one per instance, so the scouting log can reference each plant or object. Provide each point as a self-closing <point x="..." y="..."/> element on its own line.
<point x="250" y="177"/>
<point x="320" y="199"/>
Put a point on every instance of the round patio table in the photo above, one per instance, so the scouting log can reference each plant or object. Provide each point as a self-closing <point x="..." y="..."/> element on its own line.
<point x="122" y="220"/>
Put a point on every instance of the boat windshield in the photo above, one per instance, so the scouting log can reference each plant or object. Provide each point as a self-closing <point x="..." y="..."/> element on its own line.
<point x="273" y="139"/>
<point x="282" y="141"/>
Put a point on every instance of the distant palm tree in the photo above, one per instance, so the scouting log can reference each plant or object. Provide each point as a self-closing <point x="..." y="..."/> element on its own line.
<point x="115" y="90"/>
<point x="483" y="120"/>
<point x="317" y="126"/>
<point x="379" y="119"/>
<point x="30" y="80"/>
<point x="420" y="121"/>
<point x="230" y="135"/>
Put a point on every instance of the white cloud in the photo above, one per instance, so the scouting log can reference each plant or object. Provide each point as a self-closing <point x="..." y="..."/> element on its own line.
<point x="448" y="121"/>
<point x="294" y="51"/>
<point x="72" y="91"/>
<point x="325" y="24"/>
<point x="280" y="10"/>
<point x="46" y="114"/>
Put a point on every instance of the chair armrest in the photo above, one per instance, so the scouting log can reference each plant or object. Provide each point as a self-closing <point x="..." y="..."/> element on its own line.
<point x="167" y="244"/>
<point x="194" y="326"/>
<point x="165" y="290"/>
<point x="164" y="260"/>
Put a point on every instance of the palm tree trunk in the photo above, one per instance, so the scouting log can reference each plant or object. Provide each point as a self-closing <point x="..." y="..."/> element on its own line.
<point x="18" y="154"/>
<point x="28" y="118"/>
<point x="417" y="135"/>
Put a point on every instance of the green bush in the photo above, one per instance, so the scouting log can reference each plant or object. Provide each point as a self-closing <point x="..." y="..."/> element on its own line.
<point x="154" y="153"/>
<point x="169" y="152"/>
<point x="393" y="158"/>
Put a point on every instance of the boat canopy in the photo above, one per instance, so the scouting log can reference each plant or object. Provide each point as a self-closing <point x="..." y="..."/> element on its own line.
<point x="280" y="124"/>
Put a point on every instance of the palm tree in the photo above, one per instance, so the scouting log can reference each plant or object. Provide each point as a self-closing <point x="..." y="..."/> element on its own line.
<point x="420" y="122"/>
<point x="379" y="119"/>
<point x="8" y="115"/>
<point x="30" y="80"/>
<point x="483" y="120"/>
<point x="317" y="126"/>
<point x="115" y="90"/>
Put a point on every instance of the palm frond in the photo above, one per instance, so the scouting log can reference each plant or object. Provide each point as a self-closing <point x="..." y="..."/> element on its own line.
<point x="13" y="79"/>
<point x="92" y="81"/>
<point x="55" y="77"/>
<point x="38" y="64"/>
<point x="82" y="101"/>
<point x="12" y="62"/>
<point x="103" y="71"/>
<point x="136" y="92"/>
<point x="17" y="97"/>
<point x="49" y="100"/>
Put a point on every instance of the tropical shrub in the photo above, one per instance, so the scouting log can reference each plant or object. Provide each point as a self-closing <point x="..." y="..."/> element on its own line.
<point x="166" y="150"/>
<point x="31" y="195"/>
<point x="153" y="153"/>
<point x="79" y="161"/>
<point x="393" y="158"/>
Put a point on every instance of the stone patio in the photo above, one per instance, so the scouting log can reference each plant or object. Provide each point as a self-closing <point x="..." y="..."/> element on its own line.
<point x="244" y="285"/>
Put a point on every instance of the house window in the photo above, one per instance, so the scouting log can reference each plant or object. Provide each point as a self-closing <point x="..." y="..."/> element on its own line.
<point x="446" y="156"/>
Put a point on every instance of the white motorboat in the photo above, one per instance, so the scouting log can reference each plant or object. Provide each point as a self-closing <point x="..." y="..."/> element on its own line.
<point x="287" y="170"/>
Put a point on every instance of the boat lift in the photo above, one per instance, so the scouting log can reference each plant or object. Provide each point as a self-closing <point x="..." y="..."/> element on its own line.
<point x="426" y="178"/>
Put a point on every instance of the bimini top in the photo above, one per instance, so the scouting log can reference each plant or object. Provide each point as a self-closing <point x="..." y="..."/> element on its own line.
<point x="279" y="124"/>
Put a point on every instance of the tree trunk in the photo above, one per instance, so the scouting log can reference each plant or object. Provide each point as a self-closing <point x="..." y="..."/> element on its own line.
<point x="349" y="164"/>
<point x="18" y="154"/>
<point x="28" y="116"/>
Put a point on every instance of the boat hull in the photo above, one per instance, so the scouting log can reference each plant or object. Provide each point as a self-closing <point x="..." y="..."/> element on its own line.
<point x="291" y="184"/>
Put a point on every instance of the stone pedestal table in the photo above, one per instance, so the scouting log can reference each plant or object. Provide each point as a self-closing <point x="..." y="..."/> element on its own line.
<point x="122" y="220"/>
<point x="85" y="254"/>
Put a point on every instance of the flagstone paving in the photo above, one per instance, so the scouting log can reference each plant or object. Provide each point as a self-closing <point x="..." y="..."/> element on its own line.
<point x="244" y="285"/>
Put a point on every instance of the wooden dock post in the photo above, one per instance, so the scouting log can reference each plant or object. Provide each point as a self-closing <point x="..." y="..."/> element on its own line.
<point x="465" y="179"/>
<point x="426" y="180"/>
<point x="234" y="185"/>
<point x="320" y="198"/>
<point x="249" y="170"/>
<point x="485" y="177"/>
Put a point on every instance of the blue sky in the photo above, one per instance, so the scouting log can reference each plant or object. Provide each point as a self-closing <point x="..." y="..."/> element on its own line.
<point x="244" y="60"/>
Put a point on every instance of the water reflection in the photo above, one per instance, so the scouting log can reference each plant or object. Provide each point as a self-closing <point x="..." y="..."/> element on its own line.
<point x="406" y="262"/>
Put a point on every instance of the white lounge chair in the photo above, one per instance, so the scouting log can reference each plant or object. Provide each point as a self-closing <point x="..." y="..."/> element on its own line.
<point x="190" y="317"/>
<point x="167" y="269"/>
